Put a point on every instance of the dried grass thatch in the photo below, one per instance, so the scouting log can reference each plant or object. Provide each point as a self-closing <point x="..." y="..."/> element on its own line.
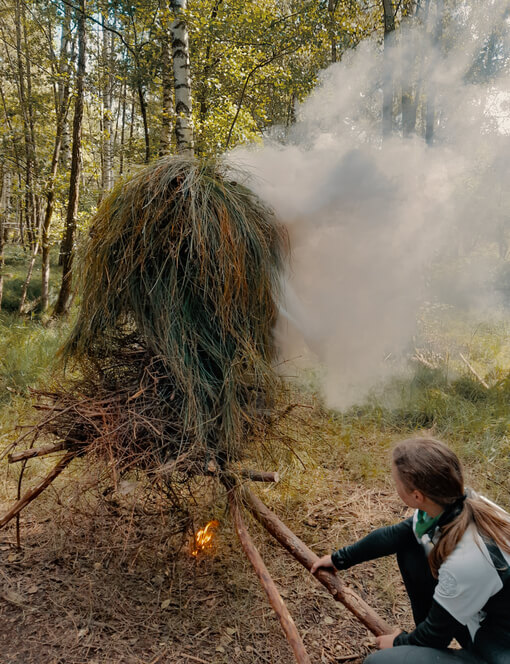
<point x="174" y="337"/>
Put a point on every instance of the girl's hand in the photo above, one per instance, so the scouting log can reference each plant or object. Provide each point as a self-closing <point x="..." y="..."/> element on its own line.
<point x="325" y="561"/>
<point x="386" y="640"/>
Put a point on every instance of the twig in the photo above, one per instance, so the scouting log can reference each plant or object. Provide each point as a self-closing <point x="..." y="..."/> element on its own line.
<point x="193" y="657"/>
<point x="42" y="451"/>
<point x="473" y="371"/>
<point x="33" y="493"/>
<point x="268" y="584"/>
<point x="260" y="475"/>
<point x="418" y="357"/>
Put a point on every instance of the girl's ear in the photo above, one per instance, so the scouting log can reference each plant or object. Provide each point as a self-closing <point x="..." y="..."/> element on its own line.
<point x="419" y="497"/>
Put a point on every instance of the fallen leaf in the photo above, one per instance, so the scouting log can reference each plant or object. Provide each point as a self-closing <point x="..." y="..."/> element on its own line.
<point x="32" y="590"/>
<point x="165" y="604"/>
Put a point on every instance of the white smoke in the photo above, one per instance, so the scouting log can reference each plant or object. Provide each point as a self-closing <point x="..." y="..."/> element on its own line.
<point x="369" y="220"/>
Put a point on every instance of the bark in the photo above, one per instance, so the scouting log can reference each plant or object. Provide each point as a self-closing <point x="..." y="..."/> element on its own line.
<point x="306" y="557"/>
<point x="166" y="111"/>
<point x="31" y="494"/>
<point x="123" y="129"/>
<point x="260" y="475"/>
<point x="182" y="80"/>
<point x="430" y="112"/>
<point x="143" y="110"/>
<point x="389" y="33"/>
<point x="31" y="454"/>
<point x="67" y="55"/>
<point x="64" y="297"/>
<point x="27" y="124"/>
<point x="286" y="621"/>
<point x="332" y="4"/>
<point x="4" y="211"/>
<point x="28" y="278"/>
<point x="107" y="145"/>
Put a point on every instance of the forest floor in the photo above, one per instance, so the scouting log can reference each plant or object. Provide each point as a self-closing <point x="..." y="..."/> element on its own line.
<point x="108" y="578"/>
<point x="99" y="579"/>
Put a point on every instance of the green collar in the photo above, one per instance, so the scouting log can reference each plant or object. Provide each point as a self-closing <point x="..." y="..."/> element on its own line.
<point x="425" y="523"/>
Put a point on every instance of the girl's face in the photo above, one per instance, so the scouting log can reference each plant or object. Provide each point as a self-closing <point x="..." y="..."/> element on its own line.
<point x="410" y="498"/>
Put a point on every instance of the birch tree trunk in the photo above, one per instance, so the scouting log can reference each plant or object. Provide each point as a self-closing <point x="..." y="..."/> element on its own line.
<point x="64" y="296"/>
<point x="182" y="80"/>
<point x="389" y="33"/>
<point x="166" y="78"/>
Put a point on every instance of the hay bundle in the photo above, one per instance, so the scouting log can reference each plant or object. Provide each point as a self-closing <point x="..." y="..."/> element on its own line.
<point x="174" y="337"/>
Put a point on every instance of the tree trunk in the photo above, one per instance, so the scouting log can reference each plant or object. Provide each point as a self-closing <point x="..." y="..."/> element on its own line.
<point x="166" y="79"/>
<point x="430" y="112"/>
<point x="28" y="278"/>
<point x="4" y="211"/>
<point x="123" y="129"/>
<point x="332" y="4"/>
<point x="143" y="110"/>
<point x="107" y="155"/>
<point x="27" y="125"/>
<point x="62" y="101"/>
<point x="64" y="296"/>
<point x="182" y="80"/>
<point x="387" y="86"/>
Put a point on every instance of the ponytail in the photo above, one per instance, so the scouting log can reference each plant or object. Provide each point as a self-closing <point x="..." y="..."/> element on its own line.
<point x="431" y="467"/>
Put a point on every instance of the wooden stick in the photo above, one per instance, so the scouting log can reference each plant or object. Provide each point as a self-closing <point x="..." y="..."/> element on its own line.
<point x="42" y="451"/>
<point x="260" y="475"/>
<point x="473" y="371"/>
<point x="307" y="557"/>
<point x="33" y="493"/>
<point x="268" y="584"/>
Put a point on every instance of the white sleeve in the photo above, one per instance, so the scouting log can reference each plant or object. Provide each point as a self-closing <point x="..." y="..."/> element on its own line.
<point x="466" y="581"/>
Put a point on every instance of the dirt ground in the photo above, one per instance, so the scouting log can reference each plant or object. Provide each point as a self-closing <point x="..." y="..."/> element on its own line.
<point x="101" y="580"/>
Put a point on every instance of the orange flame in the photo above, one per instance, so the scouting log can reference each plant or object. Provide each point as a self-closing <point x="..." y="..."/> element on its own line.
<point x="203" y="538"/>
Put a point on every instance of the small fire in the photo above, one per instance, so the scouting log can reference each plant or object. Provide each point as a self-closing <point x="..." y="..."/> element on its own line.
<point x="203" y="538"/>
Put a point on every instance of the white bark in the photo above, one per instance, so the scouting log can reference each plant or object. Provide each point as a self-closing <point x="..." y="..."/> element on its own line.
<point x="182" y="80"/>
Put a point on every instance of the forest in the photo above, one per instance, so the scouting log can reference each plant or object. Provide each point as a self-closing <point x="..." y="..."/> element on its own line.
<point x="245" y="248"/>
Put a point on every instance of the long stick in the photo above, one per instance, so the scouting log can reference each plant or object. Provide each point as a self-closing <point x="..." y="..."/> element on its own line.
<point x="307" y="557"/>
<point x="42" y="451"/>
<point x="268" y="584"/>
<point x="473" y="371"/>
<point x="35" y="491"/>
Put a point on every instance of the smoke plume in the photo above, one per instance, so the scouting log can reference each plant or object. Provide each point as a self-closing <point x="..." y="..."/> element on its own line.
<point x="372" y="221"/>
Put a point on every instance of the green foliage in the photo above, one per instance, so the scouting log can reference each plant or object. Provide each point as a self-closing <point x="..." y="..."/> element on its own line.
<point x="15" y="273"/>
<point x="27" y="355"/>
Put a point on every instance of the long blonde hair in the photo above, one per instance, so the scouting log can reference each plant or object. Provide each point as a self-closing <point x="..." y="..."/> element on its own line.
<point x="429" y="466"/>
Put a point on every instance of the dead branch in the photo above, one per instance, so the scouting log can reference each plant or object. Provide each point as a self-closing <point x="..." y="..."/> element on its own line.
<point x="307" y="557"/>
<point x="473" y="371"/>
<point x="260" y="475"/>
<point x="34" y="492"/>
<point x="268" y="584"/>
<point x="42" y="451"/>
<point x="418" y="357"/>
